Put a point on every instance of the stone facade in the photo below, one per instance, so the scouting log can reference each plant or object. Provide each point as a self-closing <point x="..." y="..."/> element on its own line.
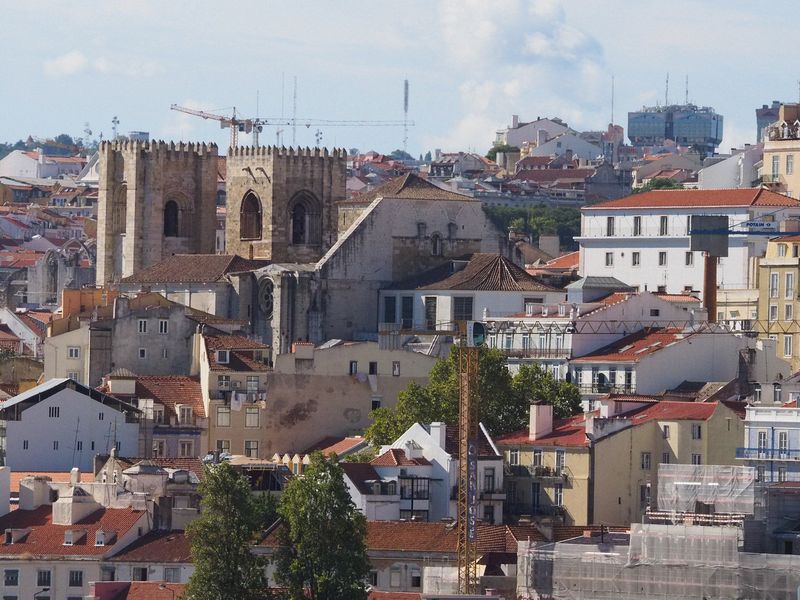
<point x="155" y="200"/>
<point x="281" y="203"/>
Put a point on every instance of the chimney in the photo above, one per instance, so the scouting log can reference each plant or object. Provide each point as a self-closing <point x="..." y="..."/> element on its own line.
<point x="74" y="476"/>
<point x="438" y="433"/>
<point x="514" y="121"/>
<point x="541" y="420"/>
<point x="550" y="244"/>
<point x="34" y="492"/>
<point x="541" y="137"/>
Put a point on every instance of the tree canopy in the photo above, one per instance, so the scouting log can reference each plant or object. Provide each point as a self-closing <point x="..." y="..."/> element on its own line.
<point x="504" y="400"/>
<point x="492" y="153"/>
<point x="231" y="517"/>
<point x="538" y="220"/>
<point x="322" y="553"/>
<point x="659" y="183"/>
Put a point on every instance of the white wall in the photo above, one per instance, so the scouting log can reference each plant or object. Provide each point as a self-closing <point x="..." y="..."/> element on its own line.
<point x="79" y="420"/>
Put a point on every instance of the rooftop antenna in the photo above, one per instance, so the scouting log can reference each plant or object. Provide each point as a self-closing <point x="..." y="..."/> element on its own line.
<point x="294" y="112"/>
<point x="612" y="98"/>
<point x="279" y="130"/>
<point x="686" y="100"/>
<point x="405" y="116"/>
<point x="666" y="91"/>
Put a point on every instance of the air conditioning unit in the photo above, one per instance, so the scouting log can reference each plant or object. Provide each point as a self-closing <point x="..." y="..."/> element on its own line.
<point x="236" y="385"/>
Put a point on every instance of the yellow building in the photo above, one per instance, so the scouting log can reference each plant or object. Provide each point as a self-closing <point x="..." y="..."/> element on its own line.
<point x="779" y="272"/>
<point x="602" y="467"/>
<point x="781" y="150"/>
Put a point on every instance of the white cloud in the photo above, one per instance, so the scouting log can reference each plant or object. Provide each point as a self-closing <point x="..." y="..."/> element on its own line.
<point x="76" y="62"/>
<point x="519" y="57"/>
<point x="71" y="63"/>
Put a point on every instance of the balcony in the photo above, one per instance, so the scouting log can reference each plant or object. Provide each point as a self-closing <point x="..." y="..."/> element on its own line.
<point x="534" y="353"/>
<point x="767" y="454"/>
<point x="607" y="388"/>
<point x="541" y="510"/>
<point x="539" y="472"/>
<point x="492" y="495"/>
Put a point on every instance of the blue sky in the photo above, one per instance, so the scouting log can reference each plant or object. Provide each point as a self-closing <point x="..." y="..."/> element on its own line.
<point x="470" y="63"/>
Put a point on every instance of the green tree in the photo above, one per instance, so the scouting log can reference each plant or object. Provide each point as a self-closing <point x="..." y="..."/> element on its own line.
<point x="221" y="537"/>
<point x="428" y="156"/>
<point x="538" y="220"/>
<point x="534" y="384"/>
<point x="64" y="138"/>
<point x="504" y="401"/>
<point x="400" y="155"/>
<point x="322" y="553"/>
<point x="492" y="153"/>
<point x="659" y="183"/>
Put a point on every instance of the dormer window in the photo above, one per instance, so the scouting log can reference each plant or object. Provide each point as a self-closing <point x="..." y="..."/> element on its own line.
<point x="223" y="357"/>
<point x="100" y="538"/>
<point x="9" y="536"/>
<point x="158" y="415"/>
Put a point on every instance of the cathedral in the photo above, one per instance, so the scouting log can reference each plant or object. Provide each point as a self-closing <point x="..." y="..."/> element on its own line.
<point x="327" y="256"/>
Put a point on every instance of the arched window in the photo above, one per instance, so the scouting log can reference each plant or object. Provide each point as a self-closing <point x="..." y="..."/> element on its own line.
<point x="171" y="219"/>
<point x="299" y="228"/>
<point x="250" y="218"/>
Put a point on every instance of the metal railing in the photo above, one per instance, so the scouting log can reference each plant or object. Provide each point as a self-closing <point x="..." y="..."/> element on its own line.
<point x="767" y="454"/>
<point x="535" y="353"/>
<point x="539" y="471"/>
<point x="607" y="388"/>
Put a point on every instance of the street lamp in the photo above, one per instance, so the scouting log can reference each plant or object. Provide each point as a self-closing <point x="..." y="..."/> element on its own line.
<point x="163" y="587"/>
<point x="42" y="591"/>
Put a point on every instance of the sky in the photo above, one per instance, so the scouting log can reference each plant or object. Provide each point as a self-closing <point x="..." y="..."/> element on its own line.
<point x="471" y="64"/>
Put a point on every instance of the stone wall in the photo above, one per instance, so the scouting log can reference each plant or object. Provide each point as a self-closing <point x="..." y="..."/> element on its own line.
<point x="137" y="180"/>
<point x="279" y="177"/>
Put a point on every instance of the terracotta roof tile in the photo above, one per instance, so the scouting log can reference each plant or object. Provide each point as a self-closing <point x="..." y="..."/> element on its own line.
<point x="335" y="445"/>
<point x="412" y="187"/>
<point x="566" y="432"/>
<point x="379" y="595"/>
<point x="634" y="347"/>
<point x="47" y="540"/>
<point x="169" y="390"/>
<point x="395" y="457"/>
<point x="232" y="342"/>
<point x="700" y="199"/>
<point x="552" y="175"/>
<point x="568" y="261"/>
<point x="139" y="590"/>
<point x="158" y="546"/>
<point x="240" y="353"/>
<point x="668" y="410"/>
<point x="55" y="477"/>
<point x="194" y="268"/>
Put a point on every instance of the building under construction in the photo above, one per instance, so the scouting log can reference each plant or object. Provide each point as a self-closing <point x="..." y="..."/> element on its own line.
<point x="692" y="548"/>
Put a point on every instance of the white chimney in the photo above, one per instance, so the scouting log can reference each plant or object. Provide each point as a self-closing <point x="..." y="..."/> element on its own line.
<point x="34" y="491"/>
<point x="541" y="420"/>
<point x="438" y="433"/>
<point x="74" y="476"/>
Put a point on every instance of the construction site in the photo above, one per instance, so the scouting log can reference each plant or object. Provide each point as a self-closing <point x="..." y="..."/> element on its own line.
<point x="692" y="546"/>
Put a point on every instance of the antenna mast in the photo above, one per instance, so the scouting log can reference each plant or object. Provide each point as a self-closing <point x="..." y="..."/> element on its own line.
<point x="686" y="100"/>
<point x="294" y="113"/>
<point x="666" y="91"/>
<point x="405" y="116"/>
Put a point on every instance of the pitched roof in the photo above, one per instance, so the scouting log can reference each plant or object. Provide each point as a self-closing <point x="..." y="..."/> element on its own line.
<point x="194" y="268"/>
<point x="54" y="476"/>
<point x="485" y="448"/>
<point x="422" y="536"/>
<point x="361" y="474"/>
<point x="484" y="272"/>
<point x="700" y="199"/>
<point x="569" y="261"/>
<point x="634" y="347"/>
<point x="566" y="432"/>
<point x="240" y="353"/>
<point x="232" y="342"/>
<point x="395" y="457"/>
<point x="158" y="546"/>
<point x="336" y="445"/>
<point x="412" y="187"/>
<point x="669" y="410"/>
<point x="169" y="390"/>
<point x="47" y="539"/>
<point x="193" y="465"/>
<point x="139" y="590"/>
<point x="53" y="386"/>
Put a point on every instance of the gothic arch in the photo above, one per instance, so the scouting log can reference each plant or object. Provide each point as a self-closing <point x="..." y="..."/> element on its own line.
<point x="250" y="217"/>
<point x="305" y="219"/>
<point x="119" y="210"/>
<point x="171" y="221"/>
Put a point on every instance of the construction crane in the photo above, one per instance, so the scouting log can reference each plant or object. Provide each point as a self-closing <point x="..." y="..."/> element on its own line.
<point x="469" y="336"/>
<point x="256" y="125"/>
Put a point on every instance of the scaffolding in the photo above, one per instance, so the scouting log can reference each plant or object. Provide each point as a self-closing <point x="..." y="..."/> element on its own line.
<point x="706" y="488"/>
<point x="656" y="561"/>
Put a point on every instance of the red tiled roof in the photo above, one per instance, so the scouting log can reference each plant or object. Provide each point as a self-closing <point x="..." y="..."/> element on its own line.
<point x="421" y="536"/>
<point x="194" y="268"/>
<point x="566" y="432"/>
<point x="55" y="477"/>
<point x="335" y="445"/>
<point x="47" y="540"/>
<point x="232" y="342"/>
<point x="395" y="457"/>
<point x="169" y="390"/>
<point x="140" y="590"/>
<point x="669" y="410"/>
<point x="678" y="297"/>
<point x="158" y="546"/>
<point x="634" y="347"/>
<point x="565" y="261"/>
<point x="412" y="187"/>
<point x="379" y="595"/>
<point x="552" y="175"/>
<point x="700" y="199"/>
<point x="240" y="353"/>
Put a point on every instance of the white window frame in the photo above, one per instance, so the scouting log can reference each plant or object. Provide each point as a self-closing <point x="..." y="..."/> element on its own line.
<point x="637" y="226"/>
<point x="646" y="461"/>
<point x="183" y="445"/>
<point x="662" y="258"/>
<point x="142" y="326"/>
<point x="690" y="259"/>
<point x="163" y="326"/>
<point x="74" y="352"/>
<point x="223" y="357"/>
<point x="788" y="345"/>
<point x="224" y="410"/>
<point x="636" y="259"/>
<point x="609" y="259"/>
<point x="185" y="415"/>
<point x="249" y="411"/>
<point x="663" y="225"/>
<point x="774" y="285"/>
<point x="788" y="290"/>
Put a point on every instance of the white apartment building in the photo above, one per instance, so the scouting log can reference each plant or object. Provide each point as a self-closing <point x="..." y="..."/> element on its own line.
<point x="643" y="239"/>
